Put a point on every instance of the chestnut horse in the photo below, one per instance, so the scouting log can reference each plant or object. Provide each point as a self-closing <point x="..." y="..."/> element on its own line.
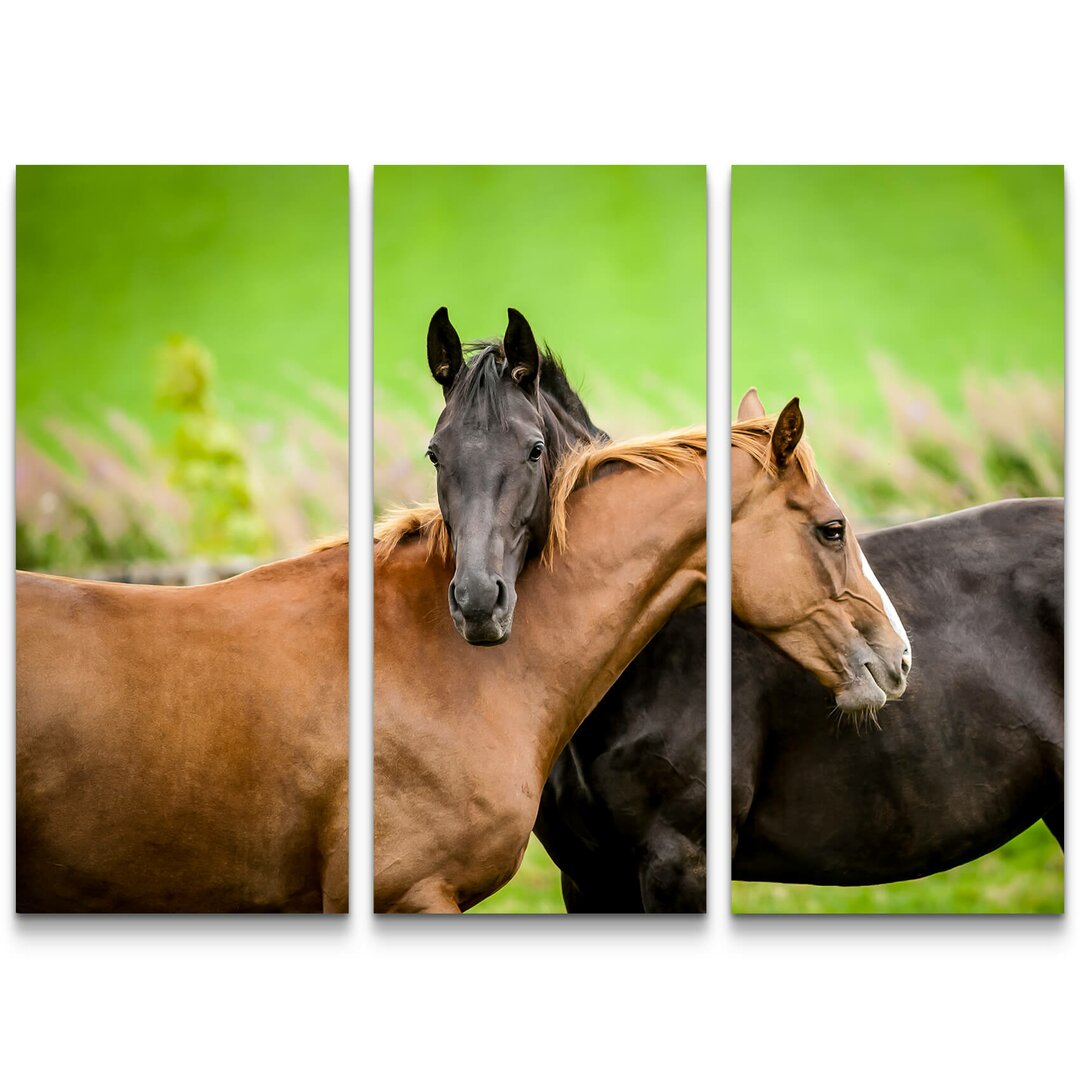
<point x="465" y="737"/>
<point x="798" y="576"/>
<point x="184" y="749"/>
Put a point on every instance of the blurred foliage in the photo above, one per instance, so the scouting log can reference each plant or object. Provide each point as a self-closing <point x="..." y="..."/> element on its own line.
<point x="1007" y="443"/>
<point x="111" y="506"/>
<point x="208" y="465"/>
<point x="215" y="488"/>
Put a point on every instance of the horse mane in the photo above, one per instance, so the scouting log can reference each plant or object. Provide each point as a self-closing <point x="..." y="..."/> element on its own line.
<point x="405" y="522"/>
<point x="754" y="436"/>
<point x="328" y="543"/>
<point x="654" y="453"/>
<point x="477" y="386"/>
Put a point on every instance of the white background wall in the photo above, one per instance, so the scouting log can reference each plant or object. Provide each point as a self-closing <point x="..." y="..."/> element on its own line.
<point x="554" y="82"/>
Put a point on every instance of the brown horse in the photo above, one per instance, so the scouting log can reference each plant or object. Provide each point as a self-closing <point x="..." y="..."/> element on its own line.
<point x="184" y="749"/>
<point x="465" y="737"/>
<point x="798" y="576"/>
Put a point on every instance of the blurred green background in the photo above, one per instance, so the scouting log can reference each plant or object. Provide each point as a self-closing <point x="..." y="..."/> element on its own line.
<point x="608" y="265"/>
<point x="918" y="313"/>
<point x="947" y="270"/>
<point x="606" y="262"/>
<point x="182" y="360"/>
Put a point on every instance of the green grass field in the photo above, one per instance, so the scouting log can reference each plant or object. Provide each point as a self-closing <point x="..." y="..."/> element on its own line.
<point x="1025" y="875"/>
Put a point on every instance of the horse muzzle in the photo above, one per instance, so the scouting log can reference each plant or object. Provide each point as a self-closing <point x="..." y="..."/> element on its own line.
<point x="876" y="680"/>
<point x="482" y="607"/>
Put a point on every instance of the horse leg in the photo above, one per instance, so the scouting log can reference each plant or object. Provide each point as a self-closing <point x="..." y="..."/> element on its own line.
<point x="618" y="894"/>
<point x="672" y="872"/>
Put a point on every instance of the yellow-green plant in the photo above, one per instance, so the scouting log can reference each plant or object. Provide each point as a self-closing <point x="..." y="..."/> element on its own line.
<point x="209" y="463"/>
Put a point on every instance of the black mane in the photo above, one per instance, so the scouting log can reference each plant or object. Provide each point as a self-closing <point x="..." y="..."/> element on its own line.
<point x="479" y="387"/>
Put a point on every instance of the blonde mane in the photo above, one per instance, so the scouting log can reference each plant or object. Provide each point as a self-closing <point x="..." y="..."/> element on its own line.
<point x="653" y="454"/>
<point x="327" y="543"/>
<point x="754" y="436"/>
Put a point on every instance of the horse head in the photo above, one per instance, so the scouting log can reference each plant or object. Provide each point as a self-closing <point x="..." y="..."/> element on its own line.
<point x="495" y="448"/>
<point x="799" y="577"/>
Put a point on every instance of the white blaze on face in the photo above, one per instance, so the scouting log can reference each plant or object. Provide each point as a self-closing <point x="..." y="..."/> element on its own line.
<point x="894" y="619"/>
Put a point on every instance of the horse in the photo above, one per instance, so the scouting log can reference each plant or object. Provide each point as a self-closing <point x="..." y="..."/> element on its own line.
<point x="465" y="737"/>
<point x="969" y="758"/>
<point x="797" y="579"/>
<point x="184" y="749"/>
<point x="973" y="754"/>
<point x="510" y="414"/>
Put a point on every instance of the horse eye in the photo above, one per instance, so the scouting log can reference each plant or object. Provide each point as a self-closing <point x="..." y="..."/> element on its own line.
<point x="433" y="458"/>
<point x="833" y="532"/>
<point x="536" y="451"/>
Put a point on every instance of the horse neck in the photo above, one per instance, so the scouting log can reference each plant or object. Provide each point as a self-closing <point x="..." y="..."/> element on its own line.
<point x="635" y="555"/>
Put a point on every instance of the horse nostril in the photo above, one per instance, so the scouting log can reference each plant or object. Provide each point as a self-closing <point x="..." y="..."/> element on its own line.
<point x="500" y="595"/>
<point x="458" y="596"/>
<point x="905" y="662"/>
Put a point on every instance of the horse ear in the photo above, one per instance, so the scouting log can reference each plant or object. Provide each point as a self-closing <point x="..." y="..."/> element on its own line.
<point x="521" y="352"/>
<point x="750" y="408"/>
<point x="787" y="433"/>
<point x="443" y="350"/>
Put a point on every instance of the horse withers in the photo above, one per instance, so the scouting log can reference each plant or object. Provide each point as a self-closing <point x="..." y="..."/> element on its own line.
<point x="184" y="749"/>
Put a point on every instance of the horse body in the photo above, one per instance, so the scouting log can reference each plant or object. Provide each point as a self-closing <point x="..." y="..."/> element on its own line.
<point x="969" y="758"/>
<point x="184" y="749"/>
<point x="624" y="808"/>
<point x="465" y="737"/>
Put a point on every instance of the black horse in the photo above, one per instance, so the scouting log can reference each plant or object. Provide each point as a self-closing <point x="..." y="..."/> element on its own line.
<point x="509" y="418"/>
<point x="623" y="811"/>
<point x="969" y="758"/>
